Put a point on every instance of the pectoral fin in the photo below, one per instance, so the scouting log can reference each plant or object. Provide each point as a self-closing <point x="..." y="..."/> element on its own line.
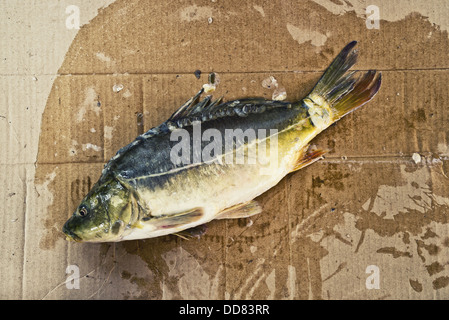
<point x="242" y="210"/>
<point x="308" y="158"/>
<point x="177" y="220"/>
<point x="195" y="232"/>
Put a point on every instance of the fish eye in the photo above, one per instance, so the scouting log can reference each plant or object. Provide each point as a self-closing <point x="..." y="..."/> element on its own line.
<point x="83" y="211"/>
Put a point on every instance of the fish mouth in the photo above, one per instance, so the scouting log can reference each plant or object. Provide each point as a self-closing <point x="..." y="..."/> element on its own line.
<point x="70" y="235"/>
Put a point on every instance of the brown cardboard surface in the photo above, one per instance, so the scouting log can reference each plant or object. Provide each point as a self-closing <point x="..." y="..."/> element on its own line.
<point x="378" y="201"/>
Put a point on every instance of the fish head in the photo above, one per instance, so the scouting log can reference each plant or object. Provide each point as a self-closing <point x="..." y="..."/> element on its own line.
<point x="103" y="215"/>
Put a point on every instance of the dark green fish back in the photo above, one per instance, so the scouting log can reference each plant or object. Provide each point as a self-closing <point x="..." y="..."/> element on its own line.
<point x="150" y="152"/>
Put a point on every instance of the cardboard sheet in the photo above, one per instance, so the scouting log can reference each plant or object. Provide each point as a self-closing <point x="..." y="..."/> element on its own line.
<point x="370" y="221"/>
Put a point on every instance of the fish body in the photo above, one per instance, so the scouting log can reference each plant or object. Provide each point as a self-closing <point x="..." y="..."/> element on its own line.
<point x="210" y="159"/>
<point x="214" y="186"/>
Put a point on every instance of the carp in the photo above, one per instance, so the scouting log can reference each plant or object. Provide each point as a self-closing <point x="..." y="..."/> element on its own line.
<point x="211" y="158"/>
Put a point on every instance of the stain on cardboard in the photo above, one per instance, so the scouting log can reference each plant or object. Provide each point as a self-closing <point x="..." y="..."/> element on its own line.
<point x="434" y="268"/>
<point x="303" y="35"/>
<point x="79" y="188"/>
<point x="416" y="285"/>
<point x="394" y="252"/>
<point x="195" y="13"/>
<point x="441" y="282"/>
<point x="43" y="188"/>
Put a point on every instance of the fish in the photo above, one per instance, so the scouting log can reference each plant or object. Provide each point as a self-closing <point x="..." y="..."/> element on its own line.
<point x="212" y="158"/>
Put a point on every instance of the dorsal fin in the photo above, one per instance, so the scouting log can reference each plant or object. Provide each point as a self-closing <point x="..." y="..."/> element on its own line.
<point x="206" y="109"/>
<point x="195" y="109"/>
<point x="187" y="107"/>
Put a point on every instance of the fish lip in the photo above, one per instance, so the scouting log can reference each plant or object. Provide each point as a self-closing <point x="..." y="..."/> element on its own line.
<point x="70" y="235"/>
<point x="72" y="238"/>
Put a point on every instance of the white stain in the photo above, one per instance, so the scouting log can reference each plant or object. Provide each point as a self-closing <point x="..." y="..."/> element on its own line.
<point x="102" y="57"/>
<point x="107" y="60"/>
<point x="209" y="87"/>
<point x="316" y="236"/>
<point x="90" y="146"/>
<point x="72" y="149"/>
<point x="304" y="35"/>
<point x="443" y="149"/>
<point x="291" y="282"/>
<point x="270" y="83"/>
<point x="259" y="9"/>
<point x="108" y="132"/>
<point x="431" y="10"/>
<point x="195" y="13"/>
<point x="270" y="281"/>
<point x="45" y="196"/>
<point x="303" y="225"/>
<point x="127" y="93"/>
<point x="117" y="87"/>
<point x="416" y="157"/>
<point x="279" y="92"/>
<point x="192" y="281"/>
<point x="90" y="103"/>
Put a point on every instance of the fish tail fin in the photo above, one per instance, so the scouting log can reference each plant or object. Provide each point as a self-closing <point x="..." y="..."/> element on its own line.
<point x="339" y="92"/>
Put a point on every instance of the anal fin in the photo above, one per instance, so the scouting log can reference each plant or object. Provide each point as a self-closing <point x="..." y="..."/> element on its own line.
<point x="307" y="158"/>
<point x="242" y="210"/>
